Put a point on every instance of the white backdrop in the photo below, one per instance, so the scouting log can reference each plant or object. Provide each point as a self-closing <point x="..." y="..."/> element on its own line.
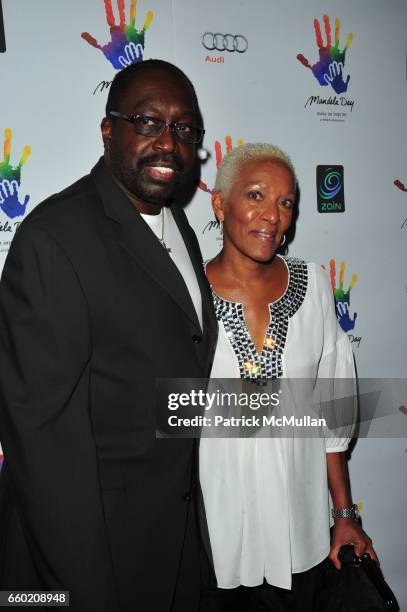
<point x="53" y="100"/>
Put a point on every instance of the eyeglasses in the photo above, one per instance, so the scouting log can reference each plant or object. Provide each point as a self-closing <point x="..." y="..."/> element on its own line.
<point x="153" y="127"/>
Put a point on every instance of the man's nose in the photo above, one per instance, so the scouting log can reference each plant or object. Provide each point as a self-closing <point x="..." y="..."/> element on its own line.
<point x="167" y="141"/>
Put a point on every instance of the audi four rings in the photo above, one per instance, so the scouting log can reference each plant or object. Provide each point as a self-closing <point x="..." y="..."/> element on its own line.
<point x="225" y="42"/>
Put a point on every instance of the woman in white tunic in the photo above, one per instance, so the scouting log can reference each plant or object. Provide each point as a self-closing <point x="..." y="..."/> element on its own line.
<point x="266" y="499"/>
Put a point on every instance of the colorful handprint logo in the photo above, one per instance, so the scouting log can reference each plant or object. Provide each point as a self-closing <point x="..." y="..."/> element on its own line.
<point x="218" y="158"/>
<point x="342" y="296"/>
<point x="127" y="42"/>
<point x="329" y="69"/>
<point x="10" y="180"/>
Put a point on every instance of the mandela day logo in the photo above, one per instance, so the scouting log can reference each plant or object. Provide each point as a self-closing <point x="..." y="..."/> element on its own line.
<point x="330" y="189"/>
<point x="342" y="300"/>
<point x="10" y="183"/>
<point x="126" y="45"/>
<point x="213" y="223"/>
<point x="329" y="72"/>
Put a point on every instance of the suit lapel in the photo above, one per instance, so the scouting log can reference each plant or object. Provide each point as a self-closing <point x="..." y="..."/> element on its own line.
<point x="140" y="242"/>
<point x="194" y="253"/>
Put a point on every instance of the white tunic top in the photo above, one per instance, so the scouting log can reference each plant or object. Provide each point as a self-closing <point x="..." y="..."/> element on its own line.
<point x="266" y="499"/>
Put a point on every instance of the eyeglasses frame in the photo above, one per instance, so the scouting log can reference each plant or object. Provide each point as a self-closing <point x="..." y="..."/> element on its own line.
<point x="170" y="124"/>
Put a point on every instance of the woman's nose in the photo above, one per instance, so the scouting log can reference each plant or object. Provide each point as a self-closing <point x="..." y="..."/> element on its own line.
<point x="271" y="211"/>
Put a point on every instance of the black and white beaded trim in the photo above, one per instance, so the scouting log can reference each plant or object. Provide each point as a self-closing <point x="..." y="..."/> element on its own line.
<point x="267" y="364"/>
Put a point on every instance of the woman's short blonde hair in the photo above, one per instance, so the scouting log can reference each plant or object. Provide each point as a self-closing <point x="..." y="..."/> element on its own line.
<point x="233" y="161"/>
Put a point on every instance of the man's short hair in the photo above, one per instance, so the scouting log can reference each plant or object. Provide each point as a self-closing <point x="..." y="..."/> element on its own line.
<point x="128" y="75"/>
<point x="259" y="151"/>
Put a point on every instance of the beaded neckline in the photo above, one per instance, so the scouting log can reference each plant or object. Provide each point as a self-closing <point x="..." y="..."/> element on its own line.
<point x="267" y="364"/>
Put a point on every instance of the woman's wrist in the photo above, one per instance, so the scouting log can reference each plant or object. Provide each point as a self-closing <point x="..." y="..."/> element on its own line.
<point x="347" y="512"/>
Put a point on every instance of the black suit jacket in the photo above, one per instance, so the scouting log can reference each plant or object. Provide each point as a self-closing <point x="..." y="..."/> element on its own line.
<point x="92" y="311"/>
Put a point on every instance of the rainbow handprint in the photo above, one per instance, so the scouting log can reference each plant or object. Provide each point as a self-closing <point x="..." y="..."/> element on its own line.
<point x="219" y="157"/>
<point x="127" y="43"/>
<point x="10" y="180"/>
<point x="329" y="69"/>
<point x="342" y="296"/>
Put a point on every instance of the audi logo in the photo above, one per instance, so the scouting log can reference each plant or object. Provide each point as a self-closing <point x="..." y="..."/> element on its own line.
<point x="225" y="42"/>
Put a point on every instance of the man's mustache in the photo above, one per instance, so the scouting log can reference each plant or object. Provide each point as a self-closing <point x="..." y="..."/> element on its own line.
<point x="170" y="159"/>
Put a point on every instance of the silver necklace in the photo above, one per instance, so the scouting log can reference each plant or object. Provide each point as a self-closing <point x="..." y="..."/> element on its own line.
<point x="162" y="232"/>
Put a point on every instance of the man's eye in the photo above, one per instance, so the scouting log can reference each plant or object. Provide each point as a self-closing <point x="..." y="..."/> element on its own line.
<point x="287" y="203"/>
<point x="147" y="121"/>
<point x="184" y="127"/>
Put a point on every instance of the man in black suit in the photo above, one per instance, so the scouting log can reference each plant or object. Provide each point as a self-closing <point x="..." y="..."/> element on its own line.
<point x="103" y="291"/>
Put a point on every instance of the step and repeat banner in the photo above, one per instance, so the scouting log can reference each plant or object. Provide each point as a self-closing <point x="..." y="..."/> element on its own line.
<point x="324" y="80"/>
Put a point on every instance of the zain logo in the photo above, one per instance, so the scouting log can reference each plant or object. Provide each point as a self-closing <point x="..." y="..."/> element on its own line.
<point x="331" y="185"/>
<point x="330" y="189"/>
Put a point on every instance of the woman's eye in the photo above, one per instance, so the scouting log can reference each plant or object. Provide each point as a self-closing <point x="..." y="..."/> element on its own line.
<point x="287" y="203"/>
<point x="254" y="195"/>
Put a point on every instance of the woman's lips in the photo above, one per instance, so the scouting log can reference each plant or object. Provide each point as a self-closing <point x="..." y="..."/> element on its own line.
<point x="266" y="236"/>
<point x="162" y="173"/>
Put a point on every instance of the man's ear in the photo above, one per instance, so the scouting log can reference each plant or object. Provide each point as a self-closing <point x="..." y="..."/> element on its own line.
<point x="218" y="205"/>
<point x="106" y="128"/>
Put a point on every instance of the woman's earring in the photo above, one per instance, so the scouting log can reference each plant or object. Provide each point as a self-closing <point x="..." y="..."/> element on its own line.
<point x="220" y="221"/>
<point x="282" y="243"/>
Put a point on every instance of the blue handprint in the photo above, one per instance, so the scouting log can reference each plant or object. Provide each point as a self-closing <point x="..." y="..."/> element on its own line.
<point x="10" y="179"/>
<point x="334" y="77"/>
<point x="9" y="202"/>
<point x="342" y="313"/>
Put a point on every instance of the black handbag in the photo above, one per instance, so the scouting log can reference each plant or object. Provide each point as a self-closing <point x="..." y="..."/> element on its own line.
<point x="358" y="586"/>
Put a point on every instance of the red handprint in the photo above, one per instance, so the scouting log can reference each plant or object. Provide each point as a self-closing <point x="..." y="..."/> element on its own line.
<point x="218" y="158"/>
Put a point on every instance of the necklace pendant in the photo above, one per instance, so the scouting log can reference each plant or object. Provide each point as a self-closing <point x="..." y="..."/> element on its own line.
<point x="165" y="246"/>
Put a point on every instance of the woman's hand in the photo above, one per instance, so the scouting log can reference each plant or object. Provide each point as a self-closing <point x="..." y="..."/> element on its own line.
<point x="349" y="531"/>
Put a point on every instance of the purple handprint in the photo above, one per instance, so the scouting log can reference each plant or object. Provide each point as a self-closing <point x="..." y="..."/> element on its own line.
<point x="127" y="43"/>
<point x="329" y="69"/>
<point x="10" y="179"/>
